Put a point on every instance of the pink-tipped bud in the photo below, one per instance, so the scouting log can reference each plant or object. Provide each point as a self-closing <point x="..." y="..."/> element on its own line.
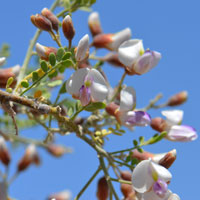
<point x="168" y="159"/>
<point x="113" y="59"/>
<point x="111" y="41"/>
<point x="112" y="108"/>
<point x="30" y="157"/>
<point x="94" y="24"/>
<point x="4" y="153"/>
<point x="68" y="28"/>
<point x="52" y="18"/>
<point x="178" y="99"/>
<point x="5" y="74"/>
<point x="158" y="124"/>
<point x="126" y="189"/>
<point x="41" y="22"/>
<point x="2" y="60"/>
<point x="82" y="51"/>
<point x="64" y="195"/>
<point x="44" y="52"/>
<point x="145" y="155"/>
<point x="55" y="150"/>
<point x="102" y="189"/>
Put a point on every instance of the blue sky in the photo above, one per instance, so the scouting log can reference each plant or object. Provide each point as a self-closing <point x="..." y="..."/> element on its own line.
<point x="170" y="27"/>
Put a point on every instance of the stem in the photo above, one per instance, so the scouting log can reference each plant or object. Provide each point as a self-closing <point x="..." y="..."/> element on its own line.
<point x="74" y="116"/>
<point x="16" y="174"/>
<point x="55" y="38"/>
<point x="121" y="181"/>
<point x="119" y="86"/>
<point x="87" y="184"/>
<point x="70" y="45"/>
<point x="30" y="49"/>
<point x="107" y="177"/>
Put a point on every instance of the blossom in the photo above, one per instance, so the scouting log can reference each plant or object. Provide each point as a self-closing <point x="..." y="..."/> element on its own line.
<point x="125" y="115"/>
<point x="136" y="60"/>
<point x="68" y="28"/>
<point x="111" y="41"/>
<point x="175" y="131"/>
<point x="94" y="23"/>
<point x="151" y="180"/>
<point x="87" y="85"/>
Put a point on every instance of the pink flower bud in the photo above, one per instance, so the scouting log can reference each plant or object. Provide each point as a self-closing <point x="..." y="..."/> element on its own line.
<point x="168" y="159"/>
<point x="68" y="28"/>
<point x="94" y="24"/>
<point x="5" y="74"/>
<point x="111" y="41"/>
<point x="51" y="17"/>
<point x="102" y="189"/>
<point x="31" y="156"/>
<point x="44" y="52"/>
<point x="178" y="99"/>
<point x="159" y="124"/>
<point x="113" y="59"/>
<point x="64" y="195"/>
<point x="4" y="153"/>
<point x="112" y="108"/>
<point x="55" y="150"/>
<point x="41" y="22"/>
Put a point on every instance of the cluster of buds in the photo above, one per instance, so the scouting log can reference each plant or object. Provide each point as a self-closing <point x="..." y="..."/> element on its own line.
<point x="45" y="21"/>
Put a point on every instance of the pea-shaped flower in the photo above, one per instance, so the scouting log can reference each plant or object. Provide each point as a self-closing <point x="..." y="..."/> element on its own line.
<point x="87" y="85"/>
<point x="135" y="59"/>
<point x="151" y="180"/>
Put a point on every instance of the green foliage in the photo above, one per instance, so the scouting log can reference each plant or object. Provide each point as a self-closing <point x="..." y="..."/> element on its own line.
<point x="5" y="50"/>
<point x="95" y="106"/>
<point x="44" y="66"/>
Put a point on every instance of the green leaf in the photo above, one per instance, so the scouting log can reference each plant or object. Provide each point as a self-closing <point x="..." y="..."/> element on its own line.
<point x="9" y="82"/>
<point x="44" y="66"/>
<point x="25" y="84"/>
<point x="61" y="69"/>
<point x="52" y="75"/>
<point x="85" y="8"/>
<point x="135" y="142"/>
<point x="92" y="2"/>
<point x="52" y="59"/>
<point x="54" y="83"/>
<point x="95" y="106"/>
<point x="63" y="89"/>
<point x="60" y="54"/>
<point x="157" y="137"/>
<point x="70" y="111"/>
<point x="67" y="55"/>
<point x="35" y="76"/>
<point x="67" y="63"/>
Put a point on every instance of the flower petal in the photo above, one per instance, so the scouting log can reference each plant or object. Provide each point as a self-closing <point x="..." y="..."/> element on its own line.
<point x="141" y="178"/>
<point x="130" y="51"/>
<point x="174" y="197"/>
<point x="82" y="48"/>
<point x="174" y="117"/>
<point x="99" y="89"/>
<point x="84" y="95"/>
<point x="146" y="62"/>
<point x="152" y="196"/>
<point x="2" y="60"/>
<point x="182" y="133"/>
<point x="127" y="99"/>
<point x="134" y="118"/>
<point x="76" y="81"/>
<point x="119" y="38"/>
<point x="161" y="171"/>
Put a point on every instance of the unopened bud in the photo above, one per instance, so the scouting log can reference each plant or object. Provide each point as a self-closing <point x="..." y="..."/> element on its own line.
<point x="51" y="17"/>
<point x="2" y="60"/>
<point x="30" y="156"/>
<point x="126" y="189"/>
<point x="55" y="150"/>
<point x="158" y="124"/>
<point x="94" y="24"/>
<point x="102" y="189"/>
<point x="113" y="59"/>
<point x="68" y="28"/>
<point x="4" y="153"/>
<point x="82" y="51"/>
<point x="178" y="99"/>
<point x="141" y="156"/>
<point x="64" y="195"/>
<point x="41" y="22"/>
<point x="112" y="108"/>
<point x="44" y="52"/>
<point x="111" y="41"/>
<point x="168" y="159"/>
<point x="5" y="74"/>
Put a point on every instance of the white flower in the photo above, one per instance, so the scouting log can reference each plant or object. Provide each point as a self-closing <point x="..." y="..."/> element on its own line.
<point x="2" y="60"/>
<point x="87" y="85"/>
